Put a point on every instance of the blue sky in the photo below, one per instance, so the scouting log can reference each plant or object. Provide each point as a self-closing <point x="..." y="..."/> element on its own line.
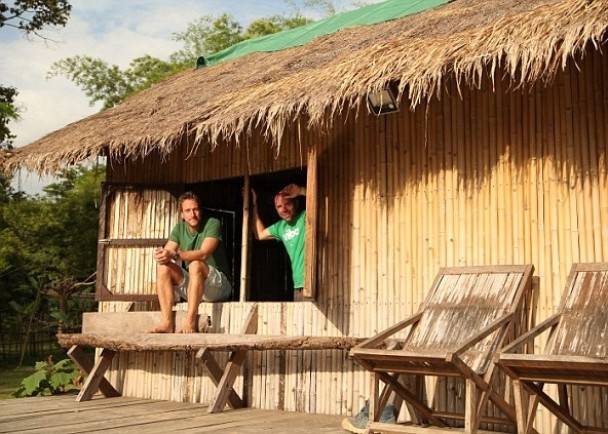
<point x="114" y="30"/>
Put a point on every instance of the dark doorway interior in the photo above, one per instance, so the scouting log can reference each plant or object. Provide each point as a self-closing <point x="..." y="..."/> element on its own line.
<point x="270" y="267"/>
<point x="224" y="200"/>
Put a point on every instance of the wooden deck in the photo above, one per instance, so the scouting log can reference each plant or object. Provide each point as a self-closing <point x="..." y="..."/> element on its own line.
<point x="61" y="414"/>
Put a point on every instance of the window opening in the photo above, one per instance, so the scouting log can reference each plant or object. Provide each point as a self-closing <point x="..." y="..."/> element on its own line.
<point x="270" y="271"/>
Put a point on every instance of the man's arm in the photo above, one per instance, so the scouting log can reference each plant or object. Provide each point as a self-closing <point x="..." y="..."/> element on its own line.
<point x="259" y="230"/>
<point x="208" y="246"/>
<point x="163" y="255"/>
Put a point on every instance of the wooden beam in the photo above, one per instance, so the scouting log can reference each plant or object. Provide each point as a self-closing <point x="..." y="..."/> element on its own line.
<point x="553" y="406"/>
<point x="85" y="364"/>
<point x="552" y="320"/>
<point x="211" y="341"/>
<point x="383" y="335"/>
<point x="468" y="373"/>
<point x="95" y="377"/>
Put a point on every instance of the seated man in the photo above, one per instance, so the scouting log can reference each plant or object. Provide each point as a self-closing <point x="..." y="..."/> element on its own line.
<point x="290" y="230"/>
<point x="196" y="242"/>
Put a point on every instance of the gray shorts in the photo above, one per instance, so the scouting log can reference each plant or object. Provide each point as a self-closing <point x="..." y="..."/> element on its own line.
<point x="217" y="286"/>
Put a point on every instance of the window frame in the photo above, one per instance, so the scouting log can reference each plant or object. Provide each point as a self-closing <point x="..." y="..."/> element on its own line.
<point x="108" y="190"/>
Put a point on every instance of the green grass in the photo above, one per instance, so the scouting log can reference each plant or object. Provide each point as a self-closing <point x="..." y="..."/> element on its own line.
<point x="10" y="378"/>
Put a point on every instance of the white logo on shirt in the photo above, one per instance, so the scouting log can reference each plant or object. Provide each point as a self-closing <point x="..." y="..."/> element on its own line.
<point x="290" y="234"/>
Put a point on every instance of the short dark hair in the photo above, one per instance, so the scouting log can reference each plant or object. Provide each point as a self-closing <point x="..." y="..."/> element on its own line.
<point x="188" y="196"/>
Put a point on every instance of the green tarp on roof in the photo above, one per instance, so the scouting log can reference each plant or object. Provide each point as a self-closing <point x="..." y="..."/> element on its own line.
<point x="372" y="14"/>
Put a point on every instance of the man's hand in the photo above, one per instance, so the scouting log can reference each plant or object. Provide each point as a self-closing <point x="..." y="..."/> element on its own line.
<point x="292" y="190"/>
<point x="163" y="256"/>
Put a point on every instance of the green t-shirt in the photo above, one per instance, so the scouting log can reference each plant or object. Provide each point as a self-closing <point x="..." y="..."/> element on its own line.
<point x="293" y="237"/>
<point x="209" y="227"/>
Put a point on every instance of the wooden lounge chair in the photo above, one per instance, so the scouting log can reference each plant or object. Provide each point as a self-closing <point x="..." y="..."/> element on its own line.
<point x="464" y="320"/>
<point x="575" y="353"/>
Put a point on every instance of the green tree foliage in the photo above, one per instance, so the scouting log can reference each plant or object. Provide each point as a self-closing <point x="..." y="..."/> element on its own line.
<point x="31" y="16"/>
<point x="205" y="36"/>
<point x="47" y="243"/>
<point x="109" y="84"/>
<point x="8" y="112"/>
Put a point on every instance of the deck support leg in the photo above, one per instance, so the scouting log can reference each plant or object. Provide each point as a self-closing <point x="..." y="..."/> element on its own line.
<point x="225" y="390"/>
<point x="95" y="377"/>
<point x="85" y="364"/>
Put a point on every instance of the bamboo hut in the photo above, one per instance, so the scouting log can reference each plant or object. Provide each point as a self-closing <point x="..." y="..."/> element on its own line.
<point x="497" y="155"/>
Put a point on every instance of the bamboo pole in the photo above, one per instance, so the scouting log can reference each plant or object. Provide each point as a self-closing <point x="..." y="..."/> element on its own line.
<point x="245" y="235"/>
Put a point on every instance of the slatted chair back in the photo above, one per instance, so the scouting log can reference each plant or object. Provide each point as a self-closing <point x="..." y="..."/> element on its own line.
<point x="464" y="301"/>
<point x="583" y="326"/>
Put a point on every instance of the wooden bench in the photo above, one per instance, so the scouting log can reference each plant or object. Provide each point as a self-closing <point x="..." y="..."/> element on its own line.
<point x="108" y="332"/>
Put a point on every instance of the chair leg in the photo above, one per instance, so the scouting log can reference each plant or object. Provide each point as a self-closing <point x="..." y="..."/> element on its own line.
<point x="521" y="409"/>
<point x="563" y="397"/>
<point x="374" y="399"/>
<point x="470" y="409"/>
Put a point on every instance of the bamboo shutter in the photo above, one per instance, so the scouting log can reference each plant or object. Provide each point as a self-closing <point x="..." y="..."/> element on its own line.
<point x="133" y="221"/>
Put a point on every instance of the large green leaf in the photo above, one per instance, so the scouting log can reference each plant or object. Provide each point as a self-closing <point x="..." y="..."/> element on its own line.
<point x="65" y="364"/>
<point x="33" y="382"/>
<point x="61" y="379"/>
<point x="41" y="365"/>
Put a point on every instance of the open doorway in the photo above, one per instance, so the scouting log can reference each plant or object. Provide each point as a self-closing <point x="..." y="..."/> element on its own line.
<point x="223" y="200"/>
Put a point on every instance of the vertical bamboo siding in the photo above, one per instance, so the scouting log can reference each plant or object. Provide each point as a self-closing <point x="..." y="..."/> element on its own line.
<point x="500" y="176"/>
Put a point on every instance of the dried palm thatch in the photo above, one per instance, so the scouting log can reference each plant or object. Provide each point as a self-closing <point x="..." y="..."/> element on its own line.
<point x="530" y="40"/>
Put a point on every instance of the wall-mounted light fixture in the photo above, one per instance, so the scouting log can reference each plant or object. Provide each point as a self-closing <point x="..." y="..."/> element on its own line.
<point x="382" y="102"/>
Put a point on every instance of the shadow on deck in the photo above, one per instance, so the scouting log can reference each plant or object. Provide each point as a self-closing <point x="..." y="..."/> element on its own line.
<point x="61" y="414"/>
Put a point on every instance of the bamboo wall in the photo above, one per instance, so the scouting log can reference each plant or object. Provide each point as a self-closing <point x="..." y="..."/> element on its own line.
<point x="500" y="176"/>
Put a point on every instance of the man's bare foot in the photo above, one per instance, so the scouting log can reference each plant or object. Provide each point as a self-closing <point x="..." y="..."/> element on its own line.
<point x="188" y="326"/>
<point x="163" y="327"/>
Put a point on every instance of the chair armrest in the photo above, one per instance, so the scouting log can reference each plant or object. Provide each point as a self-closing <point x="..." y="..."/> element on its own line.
<point x="484" y="333"/>
<point x="530" y="335"/>
<point x="371" y="342"/>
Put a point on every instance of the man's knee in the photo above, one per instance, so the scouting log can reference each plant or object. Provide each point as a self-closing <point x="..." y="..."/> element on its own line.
<point x="198" y="268"/>
<point x="163" y="271"/>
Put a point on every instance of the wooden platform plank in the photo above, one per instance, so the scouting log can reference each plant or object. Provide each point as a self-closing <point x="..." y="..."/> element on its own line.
<point x="128" y="415"/>
<point x="69" y="419"/>
<point x="36" y="409"/>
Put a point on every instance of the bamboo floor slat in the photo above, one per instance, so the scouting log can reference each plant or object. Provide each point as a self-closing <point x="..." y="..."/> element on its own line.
<point x="61" y="414"/>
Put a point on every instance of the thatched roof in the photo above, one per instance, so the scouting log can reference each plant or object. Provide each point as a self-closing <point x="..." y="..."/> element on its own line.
<point x="530" y="39"/>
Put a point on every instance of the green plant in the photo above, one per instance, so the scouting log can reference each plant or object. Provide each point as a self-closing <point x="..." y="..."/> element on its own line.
<point x="50" y="378"/>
